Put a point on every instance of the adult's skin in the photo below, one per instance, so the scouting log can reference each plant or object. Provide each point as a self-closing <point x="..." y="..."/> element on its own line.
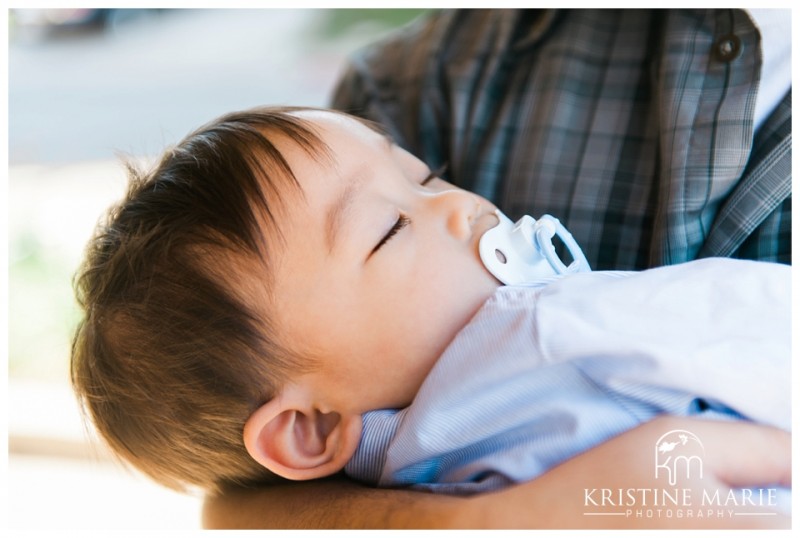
<point x="737" y="454"/>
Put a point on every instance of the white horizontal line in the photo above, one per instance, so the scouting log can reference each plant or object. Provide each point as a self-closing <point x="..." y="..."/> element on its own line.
<point x="604" y="513"/>
<point x="755" y="513"/>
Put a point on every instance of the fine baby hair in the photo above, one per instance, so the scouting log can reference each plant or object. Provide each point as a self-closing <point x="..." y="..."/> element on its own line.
<point x="172" y="355"/>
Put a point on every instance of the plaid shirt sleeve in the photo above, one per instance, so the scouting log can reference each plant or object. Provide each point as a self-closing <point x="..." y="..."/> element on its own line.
<point x="633" y="127"/>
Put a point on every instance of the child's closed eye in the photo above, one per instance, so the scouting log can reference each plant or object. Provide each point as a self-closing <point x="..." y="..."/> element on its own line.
<point x="402" y="222"/>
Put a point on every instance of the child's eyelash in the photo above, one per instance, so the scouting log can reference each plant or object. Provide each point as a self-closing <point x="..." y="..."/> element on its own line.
<point x="434" y="174"/>
<point x="402" y="222"/>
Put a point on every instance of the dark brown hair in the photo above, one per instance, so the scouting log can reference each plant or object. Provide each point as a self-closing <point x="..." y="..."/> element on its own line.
<point x="170" y="359"/>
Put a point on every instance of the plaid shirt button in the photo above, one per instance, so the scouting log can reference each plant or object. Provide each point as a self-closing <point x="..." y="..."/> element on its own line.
<point x="629" y="126"/>
<point x="727" y="48"/>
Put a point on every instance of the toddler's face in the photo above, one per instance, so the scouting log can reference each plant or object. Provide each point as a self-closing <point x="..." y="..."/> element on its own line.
<point x="380" y="269"/>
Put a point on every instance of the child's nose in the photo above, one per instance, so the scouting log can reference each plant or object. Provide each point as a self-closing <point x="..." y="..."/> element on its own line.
<point x="459" y="208"/>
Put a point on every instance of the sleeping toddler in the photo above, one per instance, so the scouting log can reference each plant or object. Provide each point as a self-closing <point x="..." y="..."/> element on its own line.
<point x="290" y="294"/>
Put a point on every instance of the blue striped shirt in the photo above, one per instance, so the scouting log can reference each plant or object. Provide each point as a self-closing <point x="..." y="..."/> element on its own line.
<point x="545" y="372"/>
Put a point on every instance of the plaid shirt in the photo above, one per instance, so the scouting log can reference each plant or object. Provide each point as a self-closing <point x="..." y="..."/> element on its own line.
<point x="634" y="128"/>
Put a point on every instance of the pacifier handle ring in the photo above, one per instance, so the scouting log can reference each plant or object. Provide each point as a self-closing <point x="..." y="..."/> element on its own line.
<point x="544" y="233"/>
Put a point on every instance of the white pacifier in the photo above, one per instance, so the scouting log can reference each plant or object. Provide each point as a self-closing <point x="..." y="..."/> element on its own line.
<point x="521" y="252"/>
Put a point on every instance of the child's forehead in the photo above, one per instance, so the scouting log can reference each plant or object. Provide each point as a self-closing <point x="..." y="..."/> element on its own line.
<point x="336" y="144"/>
<point x="315" y="164"/>
<point x="332" y="125"/>
<point x="326" y="168"/>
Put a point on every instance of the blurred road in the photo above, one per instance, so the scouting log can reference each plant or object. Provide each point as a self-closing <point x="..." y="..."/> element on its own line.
<point x="148" y="80"/>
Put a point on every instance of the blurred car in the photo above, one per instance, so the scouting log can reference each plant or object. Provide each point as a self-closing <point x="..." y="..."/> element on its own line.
<point x="55" y="22"/>
<point x="59" y="18"/>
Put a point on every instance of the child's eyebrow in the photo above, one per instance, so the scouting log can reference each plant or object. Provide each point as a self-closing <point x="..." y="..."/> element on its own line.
<point x="338" y="210"/>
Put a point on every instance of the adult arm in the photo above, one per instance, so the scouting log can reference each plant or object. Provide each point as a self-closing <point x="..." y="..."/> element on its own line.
<point x="737" y="454"/>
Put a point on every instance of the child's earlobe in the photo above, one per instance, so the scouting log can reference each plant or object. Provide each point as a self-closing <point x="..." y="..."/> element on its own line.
<point x="299" y="442"/>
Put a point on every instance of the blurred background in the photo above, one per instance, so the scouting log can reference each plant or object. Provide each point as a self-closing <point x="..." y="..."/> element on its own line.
<point x="84" y="87"/>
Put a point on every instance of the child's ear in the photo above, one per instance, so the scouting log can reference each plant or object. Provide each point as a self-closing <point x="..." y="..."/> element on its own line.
<point x="296" y="441"/>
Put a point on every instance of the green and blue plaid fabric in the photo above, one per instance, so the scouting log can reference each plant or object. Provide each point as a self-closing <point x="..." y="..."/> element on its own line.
<point x="633" y="127"/>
